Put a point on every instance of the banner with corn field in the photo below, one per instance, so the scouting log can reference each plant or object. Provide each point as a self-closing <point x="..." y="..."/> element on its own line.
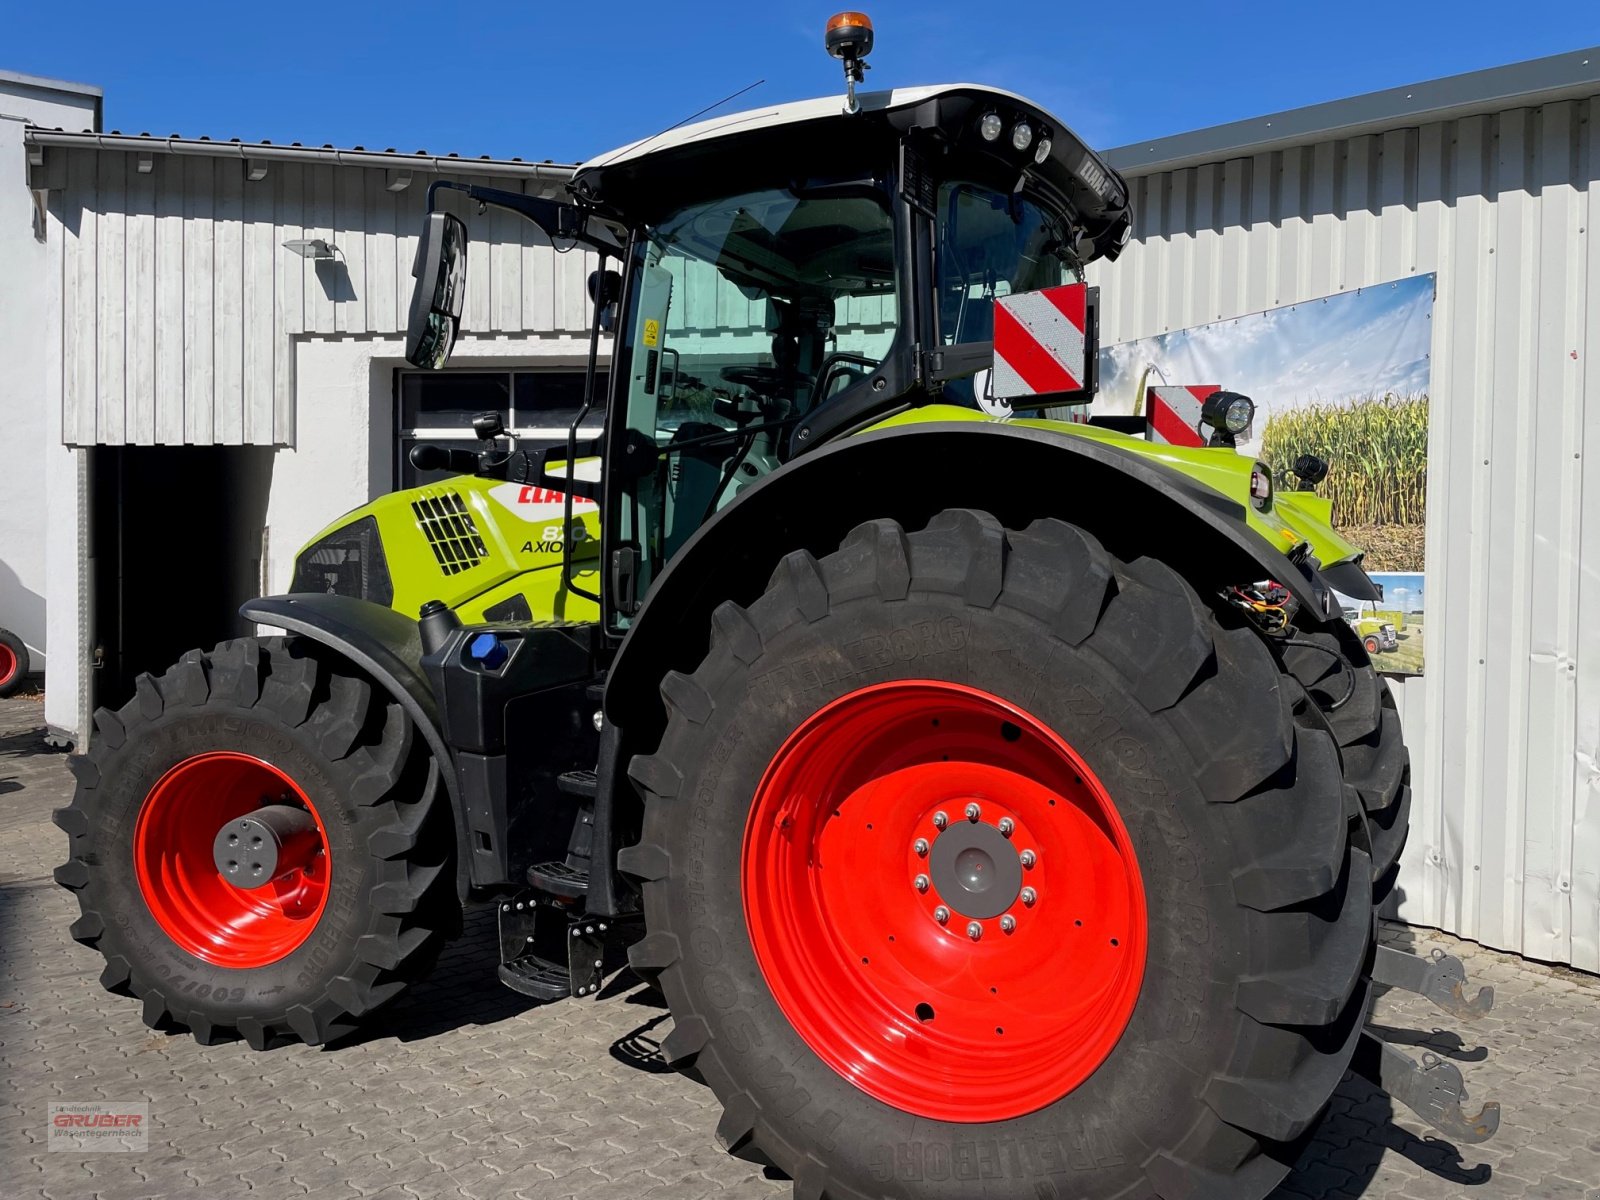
<point x="1343" y="377"/>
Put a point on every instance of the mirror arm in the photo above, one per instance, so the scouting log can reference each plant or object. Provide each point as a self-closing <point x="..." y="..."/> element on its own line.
<point x="560" y="222"/>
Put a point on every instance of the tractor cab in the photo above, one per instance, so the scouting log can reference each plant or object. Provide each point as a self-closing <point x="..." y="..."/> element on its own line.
<point x="774" y="279"/>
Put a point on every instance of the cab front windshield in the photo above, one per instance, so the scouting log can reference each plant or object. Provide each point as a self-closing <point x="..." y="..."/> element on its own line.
<point x="746" y="313"/>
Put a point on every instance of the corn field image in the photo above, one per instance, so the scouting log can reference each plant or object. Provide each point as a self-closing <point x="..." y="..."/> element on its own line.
<point x="1376" y="449"/>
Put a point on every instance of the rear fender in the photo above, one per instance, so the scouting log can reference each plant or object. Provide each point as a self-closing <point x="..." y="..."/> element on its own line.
<point x="385" y="644"/>
<point x="910" y="473"/>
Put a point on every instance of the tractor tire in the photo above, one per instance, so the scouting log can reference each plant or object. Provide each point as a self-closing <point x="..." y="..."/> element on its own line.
<point x="1360" y="713"/>
<point x="1371" y="645"/>
<point x="362" y="897"/>
<point x="13" y="663"/>
<point x="1137" y="965"/>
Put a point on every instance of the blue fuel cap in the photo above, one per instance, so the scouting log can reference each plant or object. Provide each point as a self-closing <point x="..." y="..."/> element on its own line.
<point x="488" y="650"/>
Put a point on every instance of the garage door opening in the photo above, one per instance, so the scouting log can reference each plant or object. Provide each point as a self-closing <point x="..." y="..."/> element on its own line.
<point x="175" y="545"/>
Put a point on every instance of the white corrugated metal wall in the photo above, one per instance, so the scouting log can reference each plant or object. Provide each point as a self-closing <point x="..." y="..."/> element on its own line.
<point x="1504" y="728"/>
<point x="180" y="302"/>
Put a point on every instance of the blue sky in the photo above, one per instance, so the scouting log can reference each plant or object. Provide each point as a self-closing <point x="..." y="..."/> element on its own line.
<point x="530" y="79"/>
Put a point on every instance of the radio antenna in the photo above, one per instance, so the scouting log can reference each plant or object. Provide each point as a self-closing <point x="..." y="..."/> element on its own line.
<point x="732" y="96"/>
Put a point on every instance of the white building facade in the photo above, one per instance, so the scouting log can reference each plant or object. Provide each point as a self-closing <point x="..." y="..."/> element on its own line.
<point x="162" y="313"/>
<point x="1489" y="181"/>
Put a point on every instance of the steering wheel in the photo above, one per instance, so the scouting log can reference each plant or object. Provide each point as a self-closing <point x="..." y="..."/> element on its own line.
<point x="763" y="380"/>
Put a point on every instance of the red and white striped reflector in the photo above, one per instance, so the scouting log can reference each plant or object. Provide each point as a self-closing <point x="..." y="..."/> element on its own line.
<point x="1174" y="413"/>
<point x="1039" y="342"/>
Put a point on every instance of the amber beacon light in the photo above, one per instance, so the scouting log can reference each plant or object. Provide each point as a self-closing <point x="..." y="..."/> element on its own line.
<point x="848" y="38"/>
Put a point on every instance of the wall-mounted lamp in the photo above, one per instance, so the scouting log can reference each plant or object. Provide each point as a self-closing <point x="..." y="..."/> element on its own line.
<point x="316" y="249"/>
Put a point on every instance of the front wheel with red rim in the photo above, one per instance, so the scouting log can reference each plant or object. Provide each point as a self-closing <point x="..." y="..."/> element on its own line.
<point x="260" y="846"/>
<point x="978" y="862"/>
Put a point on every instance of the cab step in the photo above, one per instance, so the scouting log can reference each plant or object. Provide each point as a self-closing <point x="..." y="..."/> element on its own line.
<point x="536" y="977"/>
<point x="558" y="879"/>
<point x="584" y="784"/>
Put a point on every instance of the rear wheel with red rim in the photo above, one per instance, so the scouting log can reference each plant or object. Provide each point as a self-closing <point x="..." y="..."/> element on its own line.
<point x="974" y="855"/>
<point x="942" y="860"/>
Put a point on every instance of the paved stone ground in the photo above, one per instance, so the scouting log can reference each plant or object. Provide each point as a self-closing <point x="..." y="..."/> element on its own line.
<point x="464" y="1089"/>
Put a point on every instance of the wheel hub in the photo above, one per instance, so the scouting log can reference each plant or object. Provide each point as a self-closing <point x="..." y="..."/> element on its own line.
<point x="265" y="846"/>
<point x="974" y="869"/>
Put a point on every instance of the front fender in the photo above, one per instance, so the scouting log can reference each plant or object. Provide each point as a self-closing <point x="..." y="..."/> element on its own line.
<point x="386" y="645"/>
<point x="909" y="473"/>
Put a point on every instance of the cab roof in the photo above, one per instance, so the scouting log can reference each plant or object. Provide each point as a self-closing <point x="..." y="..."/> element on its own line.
<point x="793" y="113"/>
<point x="653" y="172"/>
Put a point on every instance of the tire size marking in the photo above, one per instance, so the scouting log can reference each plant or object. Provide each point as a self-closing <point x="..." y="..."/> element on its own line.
<point x="1086" y="1148"/>
<point x="193" y="987"/>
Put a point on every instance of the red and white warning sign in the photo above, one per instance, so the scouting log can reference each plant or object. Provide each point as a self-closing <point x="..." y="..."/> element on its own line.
<point x="1039" y="342"/>
<point x="1174" y="413"/>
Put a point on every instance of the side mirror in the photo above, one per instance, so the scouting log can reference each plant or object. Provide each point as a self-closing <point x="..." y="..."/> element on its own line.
<point x="605" y="290"/>
<point x="441" y="274"/>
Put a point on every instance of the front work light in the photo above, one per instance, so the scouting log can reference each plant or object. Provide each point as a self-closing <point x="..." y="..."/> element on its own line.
<point x="1042" y="151"/>
<point x="990" y="125"/>
<point x="1021" y="135"/>
<point x="1228" y="412"/>
<point x="1310" y="471"/>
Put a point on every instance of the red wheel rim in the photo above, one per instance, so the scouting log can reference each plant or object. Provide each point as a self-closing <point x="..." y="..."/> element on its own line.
<point x="191" y="901"/>
<point x="914" y="1012"/>
<point x="8" y="664"/>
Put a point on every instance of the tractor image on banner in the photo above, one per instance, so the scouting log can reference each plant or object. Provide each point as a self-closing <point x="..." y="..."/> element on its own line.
<point x="1002" y="803"/>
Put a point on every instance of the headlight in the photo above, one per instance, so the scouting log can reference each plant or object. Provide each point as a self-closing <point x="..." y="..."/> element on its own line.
<point x="990" y="125"/>
<point x="1022" y="135"/>
<point x="348" y="562"/>
<point x="1228" y="411"/>
<point x="1042" y="150"/>
<point x="1261" y="485"/>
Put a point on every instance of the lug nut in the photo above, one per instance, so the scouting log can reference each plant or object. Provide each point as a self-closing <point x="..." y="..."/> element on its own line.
<point x="974" y="930"/>
<point x="1007" y="923"/>
<point x="1029" y="896"/>
<point x="941" y="914"/>
<point x="920" y="883"/>
<point x="973" y="811"/>
<point x="1028" y="858"/>
<point x="1007" y="825"/>
<point x="941" y="819"/>
<point x="921" y="847"/>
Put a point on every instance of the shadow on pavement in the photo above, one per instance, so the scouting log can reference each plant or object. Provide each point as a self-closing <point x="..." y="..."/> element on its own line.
<point x="462" y="989"/>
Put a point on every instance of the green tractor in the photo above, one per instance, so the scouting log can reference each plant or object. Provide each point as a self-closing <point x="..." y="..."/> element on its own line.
<point x="1001" y="803"/>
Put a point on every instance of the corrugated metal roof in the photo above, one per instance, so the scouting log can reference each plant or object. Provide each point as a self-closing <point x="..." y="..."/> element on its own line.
<point x="1571" y="76"/>
<point x="353" y="156"/>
